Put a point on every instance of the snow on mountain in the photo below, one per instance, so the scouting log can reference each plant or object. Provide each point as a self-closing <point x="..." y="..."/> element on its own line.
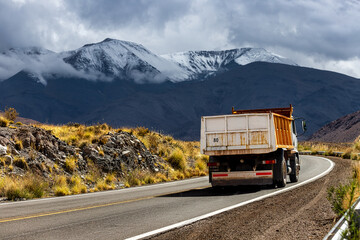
<point x="14" y="60"/>
<point x="116" y="58"/>
<point x="207" y="62"/>
<point x="113" y="58"/>
<point x="39" y="62"/>
<point x="250" y="55"/>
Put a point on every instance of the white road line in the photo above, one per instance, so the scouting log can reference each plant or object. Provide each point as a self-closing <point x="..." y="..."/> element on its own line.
<point x="132" y="189"/>
<point x="187" y="222"/>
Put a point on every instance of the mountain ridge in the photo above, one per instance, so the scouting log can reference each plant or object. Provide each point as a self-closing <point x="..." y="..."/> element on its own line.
<point x="112" y="58"/>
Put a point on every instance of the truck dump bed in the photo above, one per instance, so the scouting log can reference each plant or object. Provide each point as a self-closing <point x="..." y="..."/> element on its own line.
<point x="247" y="132"/>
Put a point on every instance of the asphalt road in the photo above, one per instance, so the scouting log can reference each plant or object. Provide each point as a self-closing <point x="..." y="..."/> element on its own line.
<point x="129" y="212"/>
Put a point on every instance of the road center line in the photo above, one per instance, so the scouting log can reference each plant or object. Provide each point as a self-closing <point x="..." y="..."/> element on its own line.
<point x="90" y="207"/>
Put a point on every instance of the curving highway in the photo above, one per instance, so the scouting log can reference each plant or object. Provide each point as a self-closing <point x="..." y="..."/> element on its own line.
<point x="134" y="212"/>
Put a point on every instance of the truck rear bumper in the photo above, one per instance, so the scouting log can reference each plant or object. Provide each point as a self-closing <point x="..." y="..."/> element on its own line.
<point x="263" y="177"/>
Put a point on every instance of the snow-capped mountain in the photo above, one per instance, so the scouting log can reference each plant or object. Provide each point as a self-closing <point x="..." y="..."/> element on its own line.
<point x="113" y="58"/>
<point x="208" y="62"/>
<point x="116" y="58"/>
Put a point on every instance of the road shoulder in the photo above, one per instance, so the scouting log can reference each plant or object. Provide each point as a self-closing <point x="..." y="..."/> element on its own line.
<point x="301" y="213"/>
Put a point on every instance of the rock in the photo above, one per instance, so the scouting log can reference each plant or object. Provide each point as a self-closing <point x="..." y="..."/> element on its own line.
<point x="3" y="150"/>
<point x="125" y="153"/>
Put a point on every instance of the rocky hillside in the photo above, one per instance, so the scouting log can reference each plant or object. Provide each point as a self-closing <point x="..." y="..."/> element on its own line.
<point x="120" y="152"/>
<point x="73" y="159"/>
<point x="344" y="129"/>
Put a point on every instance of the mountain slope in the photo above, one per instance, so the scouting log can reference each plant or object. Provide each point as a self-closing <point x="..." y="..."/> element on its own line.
<point x="344" y="129"/>
<point x="176" y="108"/>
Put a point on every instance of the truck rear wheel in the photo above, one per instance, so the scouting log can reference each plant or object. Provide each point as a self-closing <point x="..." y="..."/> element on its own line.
<point x="280" y="169"/>
<point x="295" y="168"/>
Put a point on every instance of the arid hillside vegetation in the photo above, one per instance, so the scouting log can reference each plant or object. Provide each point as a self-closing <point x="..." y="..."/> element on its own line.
<point x="47" y="160"/>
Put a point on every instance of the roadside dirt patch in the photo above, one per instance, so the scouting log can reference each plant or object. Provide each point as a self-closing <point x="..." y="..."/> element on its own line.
<point x="302" y="213"/>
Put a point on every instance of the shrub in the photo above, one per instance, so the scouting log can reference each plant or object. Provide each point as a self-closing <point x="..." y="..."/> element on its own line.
<point x="104" y="126"/>
<point x="134" y="178"/>
<point x="177" y="159"/>
<point x="11" y="114"/>
<point x="19" y="123"/>
<point x="77" y="186"/>
<point x="101" y="153"/>
<point x="28" y="187"/>
<point x="153" y="143"/>
<point x="329" y="153"/>
<point x="56" y="167"/>
<point x="102" y="185"/>
<point x="4" y="122"/>
<point x="142" y="131"/>
<point x="342" y="198"/>
<point x="36" y="186"/>
<point x="11" y="167"/>
<point x="19" y="145"/>
<point x="160" y="177"/>
<point x="149" y="179"/>
<point x="347" y="154"/>
<point x="176" y="175"/>
<point x="88" y="135"/>
<point x="20" y="162"/>
<point x="61" y="187"/>
<point x="70" y="163"/>
<point x="110" y="178"/>
<point x="104" y="139"/>
<point x="200" y="164"/>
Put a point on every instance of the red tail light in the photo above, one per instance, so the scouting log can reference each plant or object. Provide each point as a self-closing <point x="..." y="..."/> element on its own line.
<point x="269" y="161"/>
<point x="213" y="164"/>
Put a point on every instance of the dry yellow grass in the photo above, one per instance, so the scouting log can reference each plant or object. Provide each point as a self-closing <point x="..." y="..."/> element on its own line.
<point x="4" y="122"/>
<point x="61" y="187"/>
<point x="25" y="187"/>
<point x="350" y="150"/>
<point x="77" y="185"/>
<point x="77" y="134"/>
<point x="71" y="163"/>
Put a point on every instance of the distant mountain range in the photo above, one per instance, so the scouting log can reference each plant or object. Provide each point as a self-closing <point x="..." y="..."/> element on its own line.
<point x="101" y="83"/>
<point x="112" y="58"/>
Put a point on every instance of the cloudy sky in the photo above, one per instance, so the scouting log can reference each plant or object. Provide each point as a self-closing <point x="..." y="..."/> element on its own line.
<point x="323" y="34"/>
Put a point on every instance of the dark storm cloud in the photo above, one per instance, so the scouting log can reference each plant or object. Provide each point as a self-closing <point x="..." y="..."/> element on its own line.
<point x="328" y="28"/>
<point x="113" y="14"/>
<point x="27" y="24"/>
<point x="318" y="33"/>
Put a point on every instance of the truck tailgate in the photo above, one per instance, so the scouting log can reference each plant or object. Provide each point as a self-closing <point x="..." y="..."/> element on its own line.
<point x="237" y="134"/>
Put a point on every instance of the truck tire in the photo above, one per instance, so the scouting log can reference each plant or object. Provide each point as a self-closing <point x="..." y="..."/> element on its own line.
<point x="295" y="168"/>
<point x="280" y="169"/>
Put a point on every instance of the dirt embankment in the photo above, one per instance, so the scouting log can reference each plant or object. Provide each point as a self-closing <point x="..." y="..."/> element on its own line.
<point x="302" y="213"/>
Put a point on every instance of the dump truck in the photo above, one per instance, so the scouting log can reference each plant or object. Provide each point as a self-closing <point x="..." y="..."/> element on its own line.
<point x="251" y="147"/>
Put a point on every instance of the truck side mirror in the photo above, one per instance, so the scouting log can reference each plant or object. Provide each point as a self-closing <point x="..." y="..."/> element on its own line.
<point x="303" y="124"/>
